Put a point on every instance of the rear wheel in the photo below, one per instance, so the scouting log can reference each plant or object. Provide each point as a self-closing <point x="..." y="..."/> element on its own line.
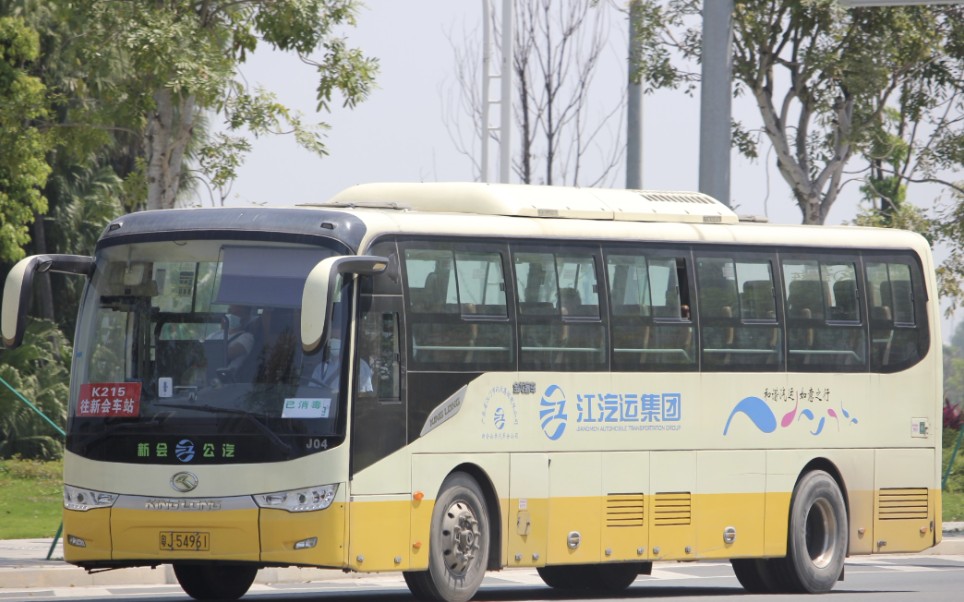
<point x="818" y="537"/>
<point x="458" y="544"/>
<point x="567" y="576"/>
<point x="215" y="581"/>
<point x="611" y="577"/>
<point x="615" y="577"/>
<point x="753" y="575"/>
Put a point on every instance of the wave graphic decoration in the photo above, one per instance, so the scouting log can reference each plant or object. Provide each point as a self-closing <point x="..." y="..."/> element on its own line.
<point x="762" y="417"/>
<point x="757" y="411"/>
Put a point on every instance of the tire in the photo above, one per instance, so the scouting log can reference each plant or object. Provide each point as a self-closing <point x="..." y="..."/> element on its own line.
<point x="615" y="577"/>
<point x="818" y="538"/>
<point x="611" y="577"/>
<point x="215" y="581"/>
<point x="568" y="577"/>
<point x="753" y="574"/>
<point x="458" y="550"/>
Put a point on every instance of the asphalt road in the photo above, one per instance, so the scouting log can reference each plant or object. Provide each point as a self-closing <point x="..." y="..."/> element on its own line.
<point x="896" y="578"/>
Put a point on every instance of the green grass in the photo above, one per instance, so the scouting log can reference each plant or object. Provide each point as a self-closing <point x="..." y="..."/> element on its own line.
<point x="31" y="494"/>
<point x="31" y="498"/>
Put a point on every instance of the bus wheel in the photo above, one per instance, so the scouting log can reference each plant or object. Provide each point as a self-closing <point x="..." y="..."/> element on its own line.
<point x="752" y="575"/>
<point x="459" y="544"/>
<point x="615" y="577"/>
<point x="817" y="540"/>
<point x="567" y="576"/>
<point x="215" y="581"/>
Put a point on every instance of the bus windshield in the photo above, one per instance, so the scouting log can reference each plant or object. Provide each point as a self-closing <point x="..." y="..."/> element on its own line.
<point x="189" y="351"/>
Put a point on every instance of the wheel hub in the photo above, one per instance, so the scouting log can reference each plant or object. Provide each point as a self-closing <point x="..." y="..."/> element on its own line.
<point x="460" y="537"/>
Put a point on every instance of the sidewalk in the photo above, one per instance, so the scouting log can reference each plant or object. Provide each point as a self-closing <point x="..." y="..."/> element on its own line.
<point x="23" y="565"/>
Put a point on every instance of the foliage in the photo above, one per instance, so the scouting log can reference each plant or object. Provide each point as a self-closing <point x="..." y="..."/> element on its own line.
<point x="834" y="84"/>
<point x="39" y="370"/>
<point x="23" y="145"/>
<point x="31" y="498"/>
<point x="180" y="58"/>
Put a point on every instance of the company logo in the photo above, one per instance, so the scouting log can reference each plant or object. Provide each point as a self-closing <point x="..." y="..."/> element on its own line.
<point x="184" y="450"/>
<point x="498" y="418"/>
<point x="184" y="482"/>
<point x="552" y="412"/>
<point x="610" y="412"/>
<point x="500" y="415"/>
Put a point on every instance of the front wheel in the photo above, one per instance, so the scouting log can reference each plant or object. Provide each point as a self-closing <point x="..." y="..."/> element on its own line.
<point x="458" y="544"/>
<point x="818" y="537"/>
<point x="215" y="581"/>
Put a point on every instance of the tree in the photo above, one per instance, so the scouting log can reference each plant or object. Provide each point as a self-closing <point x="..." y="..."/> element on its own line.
<point x="557" y="48"/>
<point x="833" y="84"/>
<point x="39" y="371"/>
<point x="23" y="146"/>
<point x="180" y="57"/>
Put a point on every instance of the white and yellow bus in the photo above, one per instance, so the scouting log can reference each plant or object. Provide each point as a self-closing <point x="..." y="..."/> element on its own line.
<point x="446" y="379"/>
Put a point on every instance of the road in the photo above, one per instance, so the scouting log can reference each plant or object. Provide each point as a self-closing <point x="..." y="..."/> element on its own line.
<point x="896" y="578"/>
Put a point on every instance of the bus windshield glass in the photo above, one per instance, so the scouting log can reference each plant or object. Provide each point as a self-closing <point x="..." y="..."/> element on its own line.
<point x="190" y="352"/>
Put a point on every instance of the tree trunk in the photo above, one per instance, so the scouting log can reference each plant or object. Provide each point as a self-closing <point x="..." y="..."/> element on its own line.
<point x="168" y="132"/>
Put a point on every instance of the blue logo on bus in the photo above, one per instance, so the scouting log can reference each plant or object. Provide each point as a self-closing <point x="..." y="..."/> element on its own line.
<point x="552" y="412"/>
<point x="184" y="450"/>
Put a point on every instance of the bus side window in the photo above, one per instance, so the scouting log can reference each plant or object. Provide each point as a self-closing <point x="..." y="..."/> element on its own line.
<point x="824" y="326"/>
<point x="718" y="309"/>
<point x="898" y="335"/>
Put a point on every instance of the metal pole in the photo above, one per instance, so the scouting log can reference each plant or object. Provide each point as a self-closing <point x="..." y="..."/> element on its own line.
<point x="715" y="99"/>
<point x="486" y="72"/>
<point x="634" y="105"/>
<point x="505" y="107"/>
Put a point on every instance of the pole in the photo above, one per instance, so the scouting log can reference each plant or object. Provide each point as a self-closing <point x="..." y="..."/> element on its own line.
<point x="505" y="108"/>
<point x="486" y="73"/>
<point x="634" y="104"/>
<point x="715" y="99"/>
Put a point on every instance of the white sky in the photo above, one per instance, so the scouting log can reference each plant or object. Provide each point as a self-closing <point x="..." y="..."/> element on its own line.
<point x="398" y="134"/>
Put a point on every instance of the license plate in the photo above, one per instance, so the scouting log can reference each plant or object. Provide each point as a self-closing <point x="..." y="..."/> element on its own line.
<point x="185" y="541"/>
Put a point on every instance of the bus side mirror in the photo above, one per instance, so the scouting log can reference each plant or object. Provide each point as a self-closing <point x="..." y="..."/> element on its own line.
<point x="320" y="291"/>
<point x="19" y="285"/>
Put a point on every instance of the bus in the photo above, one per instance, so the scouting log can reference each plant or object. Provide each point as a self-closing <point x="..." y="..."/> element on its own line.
<point x="446" y="379"/>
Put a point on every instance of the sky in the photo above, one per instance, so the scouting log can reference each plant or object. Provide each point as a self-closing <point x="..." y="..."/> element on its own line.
<point x="400" y="134"/>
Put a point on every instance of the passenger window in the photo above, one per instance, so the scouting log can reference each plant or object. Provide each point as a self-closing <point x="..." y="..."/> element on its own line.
<point x="458" y="312"/>
<point x="651" y="327"/>
<point x="559" y="316"/>
<point x="898" y="337"/>
<point x="738" y="314"/>
<point x="824" y="325"/>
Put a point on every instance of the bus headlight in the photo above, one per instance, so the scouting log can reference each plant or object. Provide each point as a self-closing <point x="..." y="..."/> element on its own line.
<point x="298" y="500"/>
<point x="82" y="500"/>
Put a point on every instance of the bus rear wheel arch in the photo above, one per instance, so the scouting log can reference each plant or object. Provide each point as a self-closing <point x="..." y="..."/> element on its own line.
<point x="459" y="543"/>
<point x="215" y="581"/>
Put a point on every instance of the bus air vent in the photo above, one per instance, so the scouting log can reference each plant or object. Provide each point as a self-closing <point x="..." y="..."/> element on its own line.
<point x="672" y="509"/>
<point x="625" y="509"/>
<point x="902" y="503"/>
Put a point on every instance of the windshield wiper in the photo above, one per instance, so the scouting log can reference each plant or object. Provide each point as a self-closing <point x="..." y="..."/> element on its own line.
<point x="249" y="416"/>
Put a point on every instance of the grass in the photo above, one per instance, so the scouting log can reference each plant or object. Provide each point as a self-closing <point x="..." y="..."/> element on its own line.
<point x="31" y="494"/>
<point x="31" y="498"/>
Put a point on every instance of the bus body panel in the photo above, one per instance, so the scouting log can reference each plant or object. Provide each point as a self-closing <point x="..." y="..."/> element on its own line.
<point x="152" y="535"/>
<point x="281" y="531"/>
<point x="92" y="528"/>
<point x="526" y="523"/>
